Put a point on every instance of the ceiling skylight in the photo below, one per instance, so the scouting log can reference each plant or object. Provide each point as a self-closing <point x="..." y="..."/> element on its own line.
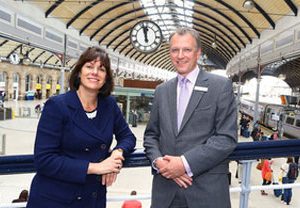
<point x="169" y="14"/>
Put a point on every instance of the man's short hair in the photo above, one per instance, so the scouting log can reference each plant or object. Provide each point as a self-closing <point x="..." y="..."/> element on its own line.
<point x="187" y="30"/>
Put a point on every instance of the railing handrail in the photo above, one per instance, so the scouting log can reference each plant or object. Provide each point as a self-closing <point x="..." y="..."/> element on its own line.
<point x="15" y="164"/>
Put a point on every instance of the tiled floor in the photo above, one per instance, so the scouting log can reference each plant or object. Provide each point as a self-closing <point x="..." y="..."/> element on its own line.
<point x="20" y="134"/>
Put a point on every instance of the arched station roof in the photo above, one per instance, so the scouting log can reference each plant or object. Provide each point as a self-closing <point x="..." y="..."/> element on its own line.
<point x="109" y="22"/>
<point x="285" y="69"/>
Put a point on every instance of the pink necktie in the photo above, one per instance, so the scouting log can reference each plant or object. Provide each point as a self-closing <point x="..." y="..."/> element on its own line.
<point x="182" y="101"/>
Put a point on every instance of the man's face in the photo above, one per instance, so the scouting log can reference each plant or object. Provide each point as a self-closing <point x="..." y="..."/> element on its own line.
<point x="184" y="53"/>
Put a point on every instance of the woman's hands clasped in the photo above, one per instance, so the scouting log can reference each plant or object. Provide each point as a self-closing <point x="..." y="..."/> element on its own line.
<point x="108" y="168"/>
<point x="109" y="178"/>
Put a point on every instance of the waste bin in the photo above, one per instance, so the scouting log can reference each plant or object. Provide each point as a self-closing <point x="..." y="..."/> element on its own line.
<point x="134" y="119"/>
<point x="29" y="95"/>
<point x="5" y="113"/>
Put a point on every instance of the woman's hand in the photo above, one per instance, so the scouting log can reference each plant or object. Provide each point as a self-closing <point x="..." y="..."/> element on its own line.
<point x="112" y="164"/>
<point x="109" y="179"/>
<point x="117" y="152"/>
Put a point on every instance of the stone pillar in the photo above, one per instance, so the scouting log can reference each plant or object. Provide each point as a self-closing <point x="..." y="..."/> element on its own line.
<point x="9" y="86"/>
<point x="33" y="82"/>
<point x="22" y="86"/>
<point x="54" y="83"/>
<point x="43" y="83"/>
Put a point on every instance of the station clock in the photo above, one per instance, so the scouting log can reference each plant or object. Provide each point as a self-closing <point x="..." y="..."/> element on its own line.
<point x="146" y="36"/>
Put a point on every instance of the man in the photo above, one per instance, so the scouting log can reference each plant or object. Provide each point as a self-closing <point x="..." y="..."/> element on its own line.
<point x="189" y="152"/>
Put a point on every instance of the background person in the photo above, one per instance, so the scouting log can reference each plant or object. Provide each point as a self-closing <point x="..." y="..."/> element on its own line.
<point x="23" y="197"/>
<point x="188" y="147"/>
<point x="288" y="178"/>
<point x="74" y="136"/>
<point x="133" y="203"/>
<point x="266" y="173"/>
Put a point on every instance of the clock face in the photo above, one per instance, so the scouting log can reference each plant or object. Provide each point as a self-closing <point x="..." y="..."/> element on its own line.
<point x="14" y="58"/>
<point x="146" y="36"/>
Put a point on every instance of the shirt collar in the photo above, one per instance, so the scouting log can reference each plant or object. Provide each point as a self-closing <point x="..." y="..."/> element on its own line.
<point x="192" y="76"/>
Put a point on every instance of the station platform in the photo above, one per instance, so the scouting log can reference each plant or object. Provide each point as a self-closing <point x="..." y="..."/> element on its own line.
<point x="20" y="135"/>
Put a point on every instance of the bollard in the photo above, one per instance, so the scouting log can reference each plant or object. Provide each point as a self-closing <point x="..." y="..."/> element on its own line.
<point x="2" y="152"/>
<point x="4" y="114"/>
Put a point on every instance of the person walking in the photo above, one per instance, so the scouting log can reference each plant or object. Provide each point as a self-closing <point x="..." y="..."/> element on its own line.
<point x="191" y="132"/>
<point x="290" y="174"/>
<point x="72" y="154"/>
<point x="266" y="173"/>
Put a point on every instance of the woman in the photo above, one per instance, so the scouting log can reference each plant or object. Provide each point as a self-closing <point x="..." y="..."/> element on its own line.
<point x="266" y="173"/>
<point x="72" y="149"/>
<point x="287" y="192"/>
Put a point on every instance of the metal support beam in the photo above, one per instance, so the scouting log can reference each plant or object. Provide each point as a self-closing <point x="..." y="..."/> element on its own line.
<point x="257" y="87"/>
<point x="127" y="108"/>
<point x="62" y="70"/>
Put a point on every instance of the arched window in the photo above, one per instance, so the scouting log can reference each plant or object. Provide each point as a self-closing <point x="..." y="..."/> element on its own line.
<point x="39" y="79"/>
<point x="16" y="78"/>
<point x="49" y="80"/>
<point x="3" y="77"/>
<point x="28" y="82"/>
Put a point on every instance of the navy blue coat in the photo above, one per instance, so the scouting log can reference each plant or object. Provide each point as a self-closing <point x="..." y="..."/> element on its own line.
<point x="66" y="142"/>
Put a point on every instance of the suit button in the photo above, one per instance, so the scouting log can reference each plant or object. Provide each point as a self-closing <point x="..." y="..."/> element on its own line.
<point x="86" y="149"/>
<point x="79" y="198"/>
<point x="98" y="178"/>
<point x="103" y="146"/>
<point x="94" y="194"/>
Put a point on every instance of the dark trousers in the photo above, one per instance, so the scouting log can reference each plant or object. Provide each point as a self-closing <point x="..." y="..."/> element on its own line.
<point x="265" y="182"/>
<point x="287" y="193"/>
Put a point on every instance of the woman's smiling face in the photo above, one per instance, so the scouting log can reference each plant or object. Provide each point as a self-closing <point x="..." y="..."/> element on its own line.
<point x="92" y="76"/>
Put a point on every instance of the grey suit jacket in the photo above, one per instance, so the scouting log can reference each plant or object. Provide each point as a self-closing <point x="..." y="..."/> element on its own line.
<point x="208" y="134"/>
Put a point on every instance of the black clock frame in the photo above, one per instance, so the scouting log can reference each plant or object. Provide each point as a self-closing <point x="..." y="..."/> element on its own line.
<point x="138" y="48"/>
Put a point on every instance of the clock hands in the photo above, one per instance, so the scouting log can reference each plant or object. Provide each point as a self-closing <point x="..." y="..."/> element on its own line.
<point x="146" y="36"/>
<point x="145" y="31"/>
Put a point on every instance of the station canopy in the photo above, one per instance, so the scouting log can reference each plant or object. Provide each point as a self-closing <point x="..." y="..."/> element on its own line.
<point x="225" y="26"/>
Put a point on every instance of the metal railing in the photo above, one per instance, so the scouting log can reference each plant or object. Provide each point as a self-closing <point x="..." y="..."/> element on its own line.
<point x="245" y="152"/>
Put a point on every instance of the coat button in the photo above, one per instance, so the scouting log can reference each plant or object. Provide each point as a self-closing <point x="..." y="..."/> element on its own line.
<point x="79" y="198"/>
<point x="86" y="149"/>
<point x="103" y="146"/>
<point x="94" y="194"/>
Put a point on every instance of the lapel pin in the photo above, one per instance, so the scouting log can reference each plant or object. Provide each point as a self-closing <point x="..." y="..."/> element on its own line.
<point x="201" y="89"/>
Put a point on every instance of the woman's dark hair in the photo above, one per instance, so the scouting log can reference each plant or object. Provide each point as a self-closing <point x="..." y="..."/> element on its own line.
<point x="91" y="54"/>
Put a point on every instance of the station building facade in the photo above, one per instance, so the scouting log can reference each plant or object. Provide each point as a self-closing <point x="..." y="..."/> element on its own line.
<point x="18" y="81"/>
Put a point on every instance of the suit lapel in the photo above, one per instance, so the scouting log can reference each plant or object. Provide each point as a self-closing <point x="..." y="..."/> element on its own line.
<point x="202" y="81"/>
<point x="79" y="117"/>
<point x="172" y="95"/>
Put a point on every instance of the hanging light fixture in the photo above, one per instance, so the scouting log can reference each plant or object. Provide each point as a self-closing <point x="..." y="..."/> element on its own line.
<point x="248" y="4"/>
<point x="214" y="43"/>
<point x="25" y="56"/>
<point x="282" y="76"/>
<point x="26" y="60"/>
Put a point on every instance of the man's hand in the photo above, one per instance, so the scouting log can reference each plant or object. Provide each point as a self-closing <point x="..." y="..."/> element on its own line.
<point x="173" y="168"/>
<point x="160" y="163"/>
<point x="183" y="181"/>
